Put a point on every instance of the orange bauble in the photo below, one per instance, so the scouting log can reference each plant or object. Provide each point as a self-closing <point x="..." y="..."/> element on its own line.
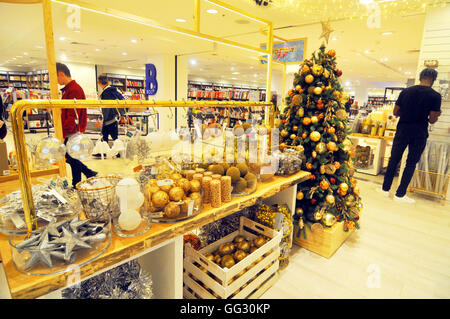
<point x="331" y="130"/>
<point x="320" y="116"/>
<point x="314" y="119"/>
<point x="306" y="121"/>
<point x="291" y="92"/>
<point x="308" y="166"/>
<point x="299" y="89"/>
<point x="305" y="68"/>
<point x="283" y="146"/>
<point x="337" y="165"/>
<point x="337" y="94"/>
<point x="314" y="136"/>
<point x="309" y="79"/>
<point x="304" y="135"/>
<point x="324" y="184"/>
<point x="317" y="90"/>
<point x="332" y="53"/>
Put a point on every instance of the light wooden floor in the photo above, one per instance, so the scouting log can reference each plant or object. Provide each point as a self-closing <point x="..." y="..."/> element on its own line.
<point x="404" y="249"/>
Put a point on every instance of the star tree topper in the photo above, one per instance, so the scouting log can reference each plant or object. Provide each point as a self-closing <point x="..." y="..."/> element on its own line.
<point x="326" y="30"/>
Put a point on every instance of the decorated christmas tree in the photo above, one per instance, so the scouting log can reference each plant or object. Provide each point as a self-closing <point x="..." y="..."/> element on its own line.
<point x="316" y="122"/>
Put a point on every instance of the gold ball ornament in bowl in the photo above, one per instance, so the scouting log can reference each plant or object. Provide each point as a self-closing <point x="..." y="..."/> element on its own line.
<point x="160" y="199"/>
<point x="315" y="136"/>
<point x="176" y="194"/>
<point x="172" y="210"/>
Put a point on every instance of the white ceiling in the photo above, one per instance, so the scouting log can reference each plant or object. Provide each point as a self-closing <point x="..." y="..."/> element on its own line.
<point x="104" y="39"/>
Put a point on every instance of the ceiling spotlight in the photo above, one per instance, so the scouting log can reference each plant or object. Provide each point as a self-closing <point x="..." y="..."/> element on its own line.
<point x="63" y="57"/>
<point x="97" y="50"/>
<point x="180" y="20"/>
<point x="367" y="51"/>
<point x="387" y="33"/>
<point x="212" y="11"/>
<point x="124" y="53"/>
<point x="62" y="38"/>
<point x="25" y="53"/>
<point x="39" y="47"/>
<point x="366" y="2"/>
<point x="134" y="40"/>
<point x="235" y="73"/>
<point x="77" y="31"/>
<point x="334" y="38"/>
<point x="193" y="61"/>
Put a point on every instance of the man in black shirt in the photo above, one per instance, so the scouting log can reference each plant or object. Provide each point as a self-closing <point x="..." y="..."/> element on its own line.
<point x="417" y="106"/>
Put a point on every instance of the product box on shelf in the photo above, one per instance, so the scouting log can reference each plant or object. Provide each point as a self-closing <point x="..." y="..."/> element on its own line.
<point x="325" y="241"/>
<point x="249" y="278"/>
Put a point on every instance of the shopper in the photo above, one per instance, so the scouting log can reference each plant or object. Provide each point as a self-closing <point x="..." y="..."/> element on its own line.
<point x="111" y="116"/>
<point x="3" y="129"/>
<point x="73" y="120"/>
<point x="417" y="106"/>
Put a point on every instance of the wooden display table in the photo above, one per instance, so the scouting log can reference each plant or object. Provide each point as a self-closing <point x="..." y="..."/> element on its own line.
<point x="160" y="249"/>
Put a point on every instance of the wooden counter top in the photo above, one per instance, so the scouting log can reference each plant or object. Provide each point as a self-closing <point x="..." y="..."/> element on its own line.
<point x="387" y="138"/>
<point x="121" y="249"/>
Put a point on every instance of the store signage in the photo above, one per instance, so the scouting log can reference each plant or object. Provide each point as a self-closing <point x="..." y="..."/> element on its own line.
<point x="287" y="52"/>
<point x="74" y="18"/>
<point x="431" y="63"/>
<point x="151" y="84"/>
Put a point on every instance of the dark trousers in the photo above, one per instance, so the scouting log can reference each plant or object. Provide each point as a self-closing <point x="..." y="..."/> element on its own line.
<point x="413" y="138"/>
<point x="110" y="129"/>
<point x="77" y="168"/>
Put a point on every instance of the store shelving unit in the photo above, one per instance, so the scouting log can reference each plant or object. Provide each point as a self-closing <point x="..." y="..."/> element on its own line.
<point x="224" y="92"/>
<point x="159" y="251"/>
<point x="393" y="96"/>
<point x="129" y="83"/>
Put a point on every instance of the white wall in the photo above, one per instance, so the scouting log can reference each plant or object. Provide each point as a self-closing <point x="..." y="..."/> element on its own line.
<point x="84" y="74"/>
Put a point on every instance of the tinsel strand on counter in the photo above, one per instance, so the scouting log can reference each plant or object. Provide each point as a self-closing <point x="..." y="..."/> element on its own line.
<point x="214" y="231"/>
<point x="127" y="281"/>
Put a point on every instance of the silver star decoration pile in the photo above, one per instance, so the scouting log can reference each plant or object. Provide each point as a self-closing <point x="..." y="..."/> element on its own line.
<point x="61" y="240"/>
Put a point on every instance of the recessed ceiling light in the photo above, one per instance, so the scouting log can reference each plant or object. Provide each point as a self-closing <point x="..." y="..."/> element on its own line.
<point x="235" y="73"/>
<point x="252" y="67"/>
<point x="97" y="50"/>
<point x="134" y="40"/>
<point x="384" y="59"/>
<point x="25" y="53"/>
<point x="387" y="33"/>
<point x="124" y="53"/>
<point x="367" y="51"/>
<point x="62" y="38"/>
<point x="180" y="20"/>
<point x="255" y="75"/>
<point x="334" y="38"/>
<point x="63" y="57"/>
<point x="13" y="59"/>
<point x="212" y="11"/>
<point x="234" y="78"/>
<point x="18" y="56"/>
<point x="193" y="61"/>
<point x="77" y="31"/>
<point x="39" y="47"/>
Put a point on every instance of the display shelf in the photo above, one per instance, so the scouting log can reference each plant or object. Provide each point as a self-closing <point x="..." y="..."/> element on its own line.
<point x="124" y="249"/>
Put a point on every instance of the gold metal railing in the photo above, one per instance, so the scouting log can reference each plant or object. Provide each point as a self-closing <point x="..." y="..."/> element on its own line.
<point x="19" y="132"/>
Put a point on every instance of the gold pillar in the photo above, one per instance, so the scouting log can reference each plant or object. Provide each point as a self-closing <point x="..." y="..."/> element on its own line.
<point x="53" y="78"/>
<point x="269" y="74"/>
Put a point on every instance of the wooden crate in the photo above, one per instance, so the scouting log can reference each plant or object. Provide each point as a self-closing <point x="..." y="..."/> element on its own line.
<point x="325" y="242"/>
<point x="213" y="281"/>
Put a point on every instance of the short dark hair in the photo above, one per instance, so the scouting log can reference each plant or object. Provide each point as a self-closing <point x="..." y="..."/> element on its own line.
<point x="428" y="73"/>
<point x="60" y="67"/>
<point x="103" y="79"/>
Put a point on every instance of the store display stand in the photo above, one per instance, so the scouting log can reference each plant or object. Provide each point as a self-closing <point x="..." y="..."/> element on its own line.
<point x="378" y="144"/>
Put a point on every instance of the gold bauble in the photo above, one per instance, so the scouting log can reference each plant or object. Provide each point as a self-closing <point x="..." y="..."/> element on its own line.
<point x="244" y="245"/>
<point x="197" y="198"/>
<point x="343" y="187"/>
<point x="314" y="119"/>
<point x="172" y="210"/>
<point x="160" y="199"/>
<point x="296" y="100"/>
<point x="301" y="112"/>
<point x="176" y="194"/>
<point x="321" y="148"/>
<point x="317" y="69"/>
<point x="299" y="211"/>
<point x="306" y="121"/>
<point x="318" y="215"/>
<point x="328" y="219"/>
<point x="314" y="154"/>
<point x="176" y="176"/>
<point x="195" y="185"/>
<point x="225" y="249"/>
<point x="166" y="188"/>
<point x="259" y="241"/>
<point x="238" y="239"/>
<point x="326" y="74"/>
<point x="330" y="199"/>
<point x="322" y="169"/>
<point x="293" y="136"/>
<point x="300" y="148"/>
<point x="209" y="256"/>
<point x="295" y="128"/>
<point x="324" y="184"/>
<point x="309" y="79"/>
<point x="217" y="259"/>
<point x="317" y="90"/>
<point x="184" y="184"/>
<point x="227" y="261"/>
<point x="356" y="190"/>
<point x="331" y="146"/>
<point x="341" y="114"/>
<point x="311" y="90"/>
<point x="283" y="146"/>
<point x="300" y="195"/>
<point x="284" y="133"/>
<point x="239" y="255"/>
<point x="315" y="136"/>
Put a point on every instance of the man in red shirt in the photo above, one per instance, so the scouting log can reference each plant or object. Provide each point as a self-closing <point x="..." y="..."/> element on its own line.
<point x="71" y="123"/>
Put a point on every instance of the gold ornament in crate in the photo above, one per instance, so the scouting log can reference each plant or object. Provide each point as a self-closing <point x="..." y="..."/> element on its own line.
<point x="328" y="219"/>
